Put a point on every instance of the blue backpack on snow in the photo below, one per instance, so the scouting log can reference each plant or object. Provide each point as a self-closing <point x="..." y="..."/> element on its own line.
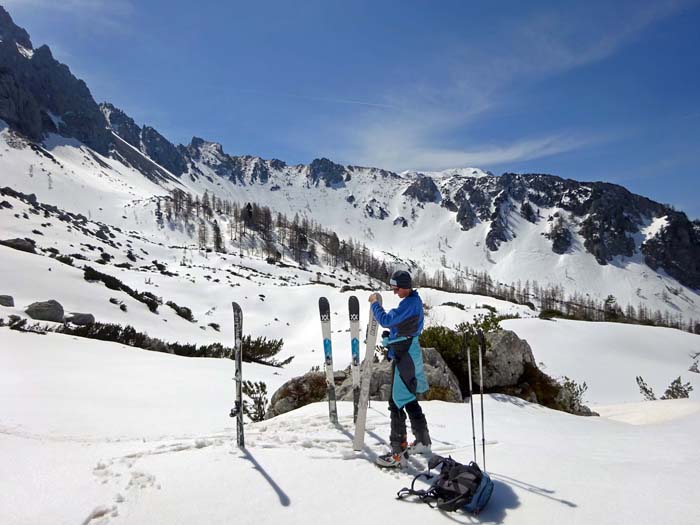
<point x="455" y="487"/>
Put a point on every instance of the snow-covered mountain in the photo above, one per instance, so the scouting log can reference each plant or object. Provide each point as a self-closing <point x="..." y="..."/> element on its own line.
<point x="95" y="432"/>
<point x="592" y="239"/>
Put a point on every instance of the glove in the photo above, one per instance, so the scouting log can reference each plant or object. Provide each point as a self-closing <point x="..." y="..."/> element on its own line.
<point x="390" y="354"/>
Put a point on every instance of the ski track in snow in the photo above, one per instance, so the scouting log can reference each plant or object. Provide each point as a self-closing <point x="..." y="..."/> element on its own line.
<point x="126" y="477"/>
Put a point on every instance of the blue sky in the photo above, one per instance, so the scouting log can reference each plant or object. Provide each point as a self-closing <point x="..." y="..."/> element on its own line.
<point x="584" y="90"/>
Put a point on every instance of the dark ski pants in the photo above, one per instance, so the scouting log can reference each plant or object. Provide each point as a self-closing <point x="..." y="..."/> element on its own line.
<point x="419" y="426"/>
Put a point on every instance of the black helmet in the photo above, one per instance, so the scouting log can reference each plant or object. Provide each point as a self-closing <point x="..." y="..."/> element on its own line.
<point x="401" y="279"/>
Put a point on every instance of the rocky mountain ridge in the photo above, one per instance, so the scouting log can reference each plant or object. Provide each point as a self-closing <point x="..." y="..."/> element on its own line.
<point x="38" y="96"/>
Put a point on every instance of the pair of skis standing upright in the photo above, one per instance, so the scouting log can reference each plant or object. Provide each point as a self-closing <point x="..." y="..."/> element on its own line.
<point x="360" y="379"/>
<point x="360" y="383"/>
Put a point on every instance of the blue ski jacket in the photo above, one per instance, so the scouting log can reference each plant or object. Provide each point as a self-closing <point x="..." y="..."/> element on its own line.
<point x="405" y="323"/>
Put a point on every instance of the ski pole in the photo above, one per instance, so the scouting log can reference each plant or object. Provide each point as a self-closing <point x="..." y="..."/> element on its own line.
<point x="471" y="404"/>
<point x="482" y="344"/>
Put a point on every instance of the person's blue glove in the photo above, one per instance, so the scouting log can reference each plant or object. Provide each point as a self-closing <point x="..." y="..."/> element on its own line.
<point x="385" y="338"/>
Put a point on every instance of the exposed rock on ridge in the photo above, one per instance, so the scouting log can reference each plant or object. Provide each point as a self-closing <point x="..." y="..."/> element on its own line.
<point x="40" y="95"/>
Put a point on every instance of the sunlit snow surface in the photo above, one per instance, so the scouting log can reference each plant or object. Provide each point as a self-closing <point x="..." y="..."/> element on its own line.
<point x="129" y="436"/>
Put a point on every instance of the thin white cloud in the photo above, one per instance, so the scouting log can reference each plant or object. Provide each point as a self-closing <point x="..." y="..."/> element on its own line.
<point x="477" y="80"/>
<point x="400" y="151"/>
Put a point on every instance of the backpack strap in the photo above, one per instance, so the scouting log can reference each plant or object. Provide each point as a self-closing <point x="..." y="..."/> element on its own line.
<point x="412" y="491"/>
<point x="426" y="496"/>
<point x="454" y="503"/>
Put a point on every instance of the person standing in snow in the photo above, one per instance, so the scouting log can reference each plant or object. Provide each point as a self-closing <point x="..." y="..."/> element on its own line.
<point x="405" y="324"/>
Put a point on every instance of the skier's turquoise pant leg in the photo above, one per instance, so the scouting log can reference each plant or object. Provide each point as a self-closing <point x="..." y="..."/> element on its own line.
<point x="400" y="393"/>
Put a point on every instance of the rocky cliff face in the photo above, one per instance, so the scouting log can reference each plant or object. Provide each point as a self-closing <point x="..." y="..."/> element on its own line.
<point x="676" y="249"/>
<point x="145" y="139"/>
<point x="423" y="189"/>
<point x="326" y="172"/>
<point x="40" y="95"/>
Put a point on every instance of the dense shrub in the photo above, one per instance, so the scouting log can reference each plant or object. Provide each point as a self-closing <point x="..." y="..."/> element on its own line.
<point x="92" y="275"/>
<point x="549" y="314"/>
<point x="450" y="344"/>
<point x="534" y="385"/>
<point x="454" y="305"/>
<point x="147" y="298"/>
<point x="676" y="390"/>
<point x="572" y="393"/>
<point x="182" y="311"/>
<point x="439" y="393"/>
<point x="257" y="393"/>
<point x="65" y="259"/>
<point x="259" y="350"/>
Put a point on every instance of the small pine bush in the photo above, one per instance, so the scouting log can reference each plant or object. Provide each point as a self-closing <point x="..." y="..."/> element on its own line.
<point x="678" y="390"/>
<point x="257" y="393"/>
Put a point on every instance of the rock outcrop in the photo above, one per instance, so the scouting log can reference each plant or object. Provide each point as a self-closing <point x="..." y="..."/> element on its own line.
<point x="311" y="387"/>
<point x="423" y="189"/>
<point x="80" y="319"/>
<point x="39" y="95"/>
<point x="50" y="310"/>
<point x="23" y="245"/>
<point x="505" y="359"/>
<point x="7" y="300"/>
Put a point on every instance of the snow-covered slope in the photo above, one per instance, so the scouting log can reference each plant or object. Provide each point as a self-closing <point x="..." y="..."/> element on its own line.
<point x="98" y="433"/>
<point x="609" y="356"/>
<point x="589" y="238"/>
<point x="366" y="204"/>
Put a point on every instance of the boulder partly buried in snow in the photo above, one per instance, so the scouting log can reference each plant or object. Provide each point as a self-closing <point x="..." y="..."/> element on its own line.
<point x="443" y="382"/>
<point x="311" y="387"/>
<point x="7" y="300"/>
<point x="298" y="392"/>
<point x="80" y="319"/>
<point x="505" y="359"/>
<point x="23" y="245"/>
<point x="46" y="311"/>
<point x="510" y="368"/>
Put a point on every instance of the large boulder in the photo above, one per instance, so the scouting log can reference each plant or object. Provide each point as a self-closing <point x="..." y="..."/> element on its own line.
<point x="311" y="387"/>
<point x="510" y="368"/>
<point x="46" y="311"/>
<point x="442" y="381"/>
<point x="80" y="319"/>
<point x="297" y="393"/>
<point x="7" y="300"/>
<point x="505" y="359"/>
<point x="23" y="245"/>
